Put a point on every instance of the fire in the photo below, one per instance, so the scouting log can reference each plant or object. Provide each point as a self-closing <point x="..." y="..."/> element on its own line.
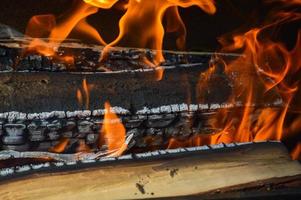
<point x="60" y="147"/>
<point x="268" y="70"/>
<point x="83" y="94"/>
<point x="57" y="29"/>
<point x="113" y="133"/>
<point x="140" y="27"/>
<point x="269" y="73"/>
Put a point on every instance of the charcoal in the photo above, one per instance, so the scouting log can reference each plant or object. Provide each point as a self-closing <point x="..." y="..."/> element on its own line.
<point x="69" y="128"/>
<point x="21" y="148"/>
<point x="13" y="140"/>
<point x="37" y="130"/>
<point x="53" y="128"/>
<point x="136" y="132"/>
<point x="84" y="127"/>
<point x="1" y="127"/>
<point x="44" y="130"/>
<point x="54" y="125"/>
<point x="131" y="122"/>
<point x="16" y="117"/>
<point x="44" y="146"/>
<point x="160" y="121"/>
<point x="67" y="134"/>
<point x="36" y="138"/>
<point x="14" y="130"/>
<point x="92" y="138"/>
<point x="53" y="135"/>
<point x="181" y="128"/>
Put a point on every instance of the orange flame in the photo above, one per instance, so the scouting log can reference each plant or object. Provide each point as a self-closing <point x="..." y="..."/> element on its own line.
<point x="56" y="30"/>
<point x="60" y="147"/>
<point x="113" y="133"/>
<point x="267" y="73"/>
<point x="296" y="155"/>
<point x="83" y="94"/>
<point x="142" y="27"/>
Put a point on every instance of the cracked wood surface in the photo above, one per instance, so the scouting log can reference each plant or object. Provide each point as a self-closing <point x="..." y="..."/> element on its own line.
<point x="157" y="178"/>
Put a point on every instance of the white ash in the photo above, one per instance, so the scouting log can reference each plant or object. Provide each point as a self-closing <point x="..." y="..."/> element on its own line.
<point x="119" y="110"/>
<point x="3" y="115"/>
<point x="6" y="171"/>
<point x="70" y="163"/>
<point x="144" y="111"/>
<point x="98" y="113"/>
<point x="156" y="153"/>
<point x="59" y="164"/>
<point x="202" y="148"/>
<point x="179" y="150"/>
<point x="178" y="108"/>
<point x="24" y="168"/>
<point x="126" y="157"/>
<point x="60" y="114"/>
<point x="243" y="143"/>
<point x="203" y="106"/>
<point x="155" y="110"/>
<point x="88" y="161"/>
<point x="165" y="109"/>
<point x="175" y="108"/>
<point x="183" y="107"/>
<point x="217" y="146"/>
<point x="162" y="152"/>
<point x="39" y="166"/>
<point x="32" y="116"/>
<point x="193" y="107"/>
<point x="144" y="155"/>
<point x="13" y="116"/>
<point x="104" y="159"/>
<point x="230" y="145"/>
<point x="215" y="106"/>
<point x="46" y="115"/>
<point x="79" y="114"/>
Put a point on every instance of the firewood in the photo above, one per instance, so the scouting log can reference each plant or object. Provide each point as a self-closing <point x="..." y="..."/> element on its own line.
<point x="159" y="175"/>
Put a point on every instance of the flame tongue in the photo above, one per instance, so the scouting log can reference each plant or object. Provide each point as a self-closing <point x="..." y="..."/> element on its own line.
<point x="142" y="26"/>
<point x="113" y="133"/>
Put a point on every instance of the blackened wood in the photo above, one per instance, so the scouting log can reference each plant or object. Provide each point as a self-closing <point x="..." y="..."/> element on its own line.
<point x="45" y="91"/>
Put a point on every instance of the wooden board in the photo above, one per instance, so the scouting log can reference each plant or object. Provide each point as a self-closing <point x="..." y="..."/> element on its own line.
<point x="174" y="176"/>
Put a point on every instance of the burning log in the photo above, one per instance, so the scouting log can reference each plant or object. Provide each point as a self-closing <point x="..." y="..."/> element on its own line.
<point x="193" y="172"/>
<point x="135" y="85"/>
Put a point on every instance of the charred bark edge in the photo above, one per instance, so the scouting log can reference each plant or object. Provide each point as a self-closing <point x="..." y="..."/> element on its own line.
<point x="18" y="172"/>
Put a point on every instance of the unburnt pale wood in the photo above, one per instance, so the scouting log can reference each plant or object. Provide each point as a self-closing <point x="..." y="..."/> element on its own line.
<point x="156" y="178"/>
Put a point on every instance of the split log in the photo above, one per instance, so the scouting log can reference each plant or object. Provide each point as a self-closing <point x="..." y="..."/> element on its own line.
<point x="183" y="175"/>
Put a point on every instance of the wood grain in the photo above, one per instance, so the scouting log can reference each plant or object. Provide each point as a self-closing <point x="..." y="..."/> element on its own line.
<point x="177" y="176"/>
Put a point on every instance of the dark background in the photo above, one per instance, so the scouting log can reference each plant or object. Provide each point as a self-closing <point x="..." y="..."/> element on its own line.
<point x="202" y="28"/>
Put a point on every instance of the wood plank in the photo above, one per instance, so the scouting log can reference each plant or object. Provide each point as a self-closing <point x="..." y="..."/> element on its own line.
<point x="176" y="176"/>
